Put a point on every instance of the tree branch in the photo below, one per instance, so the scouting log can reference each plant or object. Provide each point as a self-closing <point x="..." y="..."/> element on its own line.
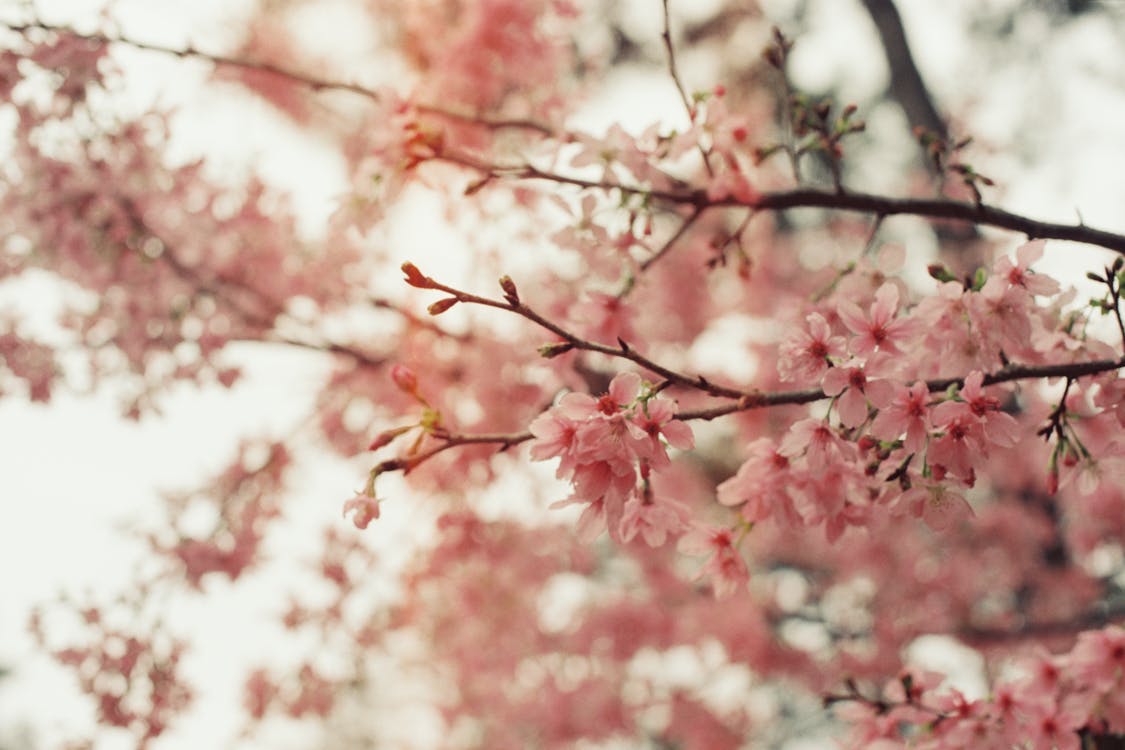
<point x="296" y="77"/>
<point x="858" y="202"/>
<point x="906" y="85"/>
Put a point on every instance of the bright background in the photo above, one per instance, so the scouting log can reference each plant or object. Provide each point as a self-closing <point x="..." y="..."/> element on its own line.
<point x="1044" y="102"/>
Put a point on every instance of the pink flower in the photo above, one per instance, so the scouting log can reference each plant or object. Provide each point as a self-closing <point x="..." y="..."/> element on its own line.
<point x="878" y="330"/>
<point x="806" y="356"/>
<point x="1000" y="428"/>
<point x="365" y="509"/>
<point x="655" y="419"/>
<point x="761" y="484"/>
<point x="1051" y="727"/>
<point x="960" y="447"/>
<point x="937" y="504"/>
<point x="653" y="518"/>
<point x="1019" y="274"/>
<point x="907" y="413"/>
<point x="591" y="522"/>
<point x="816" y="439"/>
<point x="1003" y="314"/>
<point x="724" y="565"/>
<point x="1098" y="659"/>
<point x="856" y="391"/>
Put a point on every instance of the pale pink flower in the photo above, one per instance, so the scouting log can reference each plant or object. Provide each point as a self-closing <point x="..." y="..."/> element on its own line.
<point x="1003" y="314"/>
<point x="961" y="445"/>
<point x="939" y="505"/>
<point x="878" y="330"/>
<point x="1019" y="274"/>
<point x="364" y="510"/>
<point x="761" y="484"/>
<point x="816" y="439"/>
<point x="999" y="427"/>
<point x="907" y="413"/>
<point x="854" y="391"/>
<point x="724" y="565"/>
<point x="1098" y="659"/>
<point x="653" y="518"/>
<point x="805" y="357"/>
<point x="605" y="318"/>
<point x="656" y="419"/>
<point x="1050" y="726"/>
<point x="592" y="520"/>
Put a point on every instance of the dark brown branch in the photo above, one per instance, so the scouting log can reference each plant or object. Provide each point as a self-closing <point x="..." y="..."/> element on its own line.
<point x="879" y="205"/>
<point x="1105" y="614"/>
<point x="622" y="350"/>
<point x="906" y="85"/>
<point x="1004" y="375"/>
<point x="761" y="400"/>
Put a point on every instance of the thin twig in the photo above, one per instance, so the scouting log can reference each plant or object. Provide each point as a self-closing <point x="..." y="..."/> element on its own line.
<point x="673" y="71"/>
<point x="297" y="77"/>
<point x="622" y="350"/>
<point x="684" y="227"/>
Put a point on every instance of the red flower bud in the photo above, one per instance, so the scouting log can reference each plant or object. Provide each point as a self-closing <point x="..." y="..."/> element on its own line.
<point x="441" y="305"/>
<point x="414" y="277"/>
<point x="405" y="379"/>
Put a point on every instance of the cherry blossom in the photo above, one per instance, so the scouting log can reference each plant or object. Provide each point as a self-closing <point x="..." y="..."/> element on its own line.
<point x="878" y="330"/>
<point x="807" y="356"/>
<point x="806" y="456"/>
<point x="907" y="413"/>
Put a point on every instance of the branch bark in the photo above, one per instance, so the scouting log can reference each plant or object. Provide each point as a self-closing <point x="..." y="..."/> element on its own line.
<point x="906" y="85"/>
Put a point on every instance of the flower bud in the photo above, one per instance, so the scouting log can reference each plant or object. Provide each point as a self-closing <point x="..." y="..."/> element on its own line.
<point x="414" y="277"/>
<point x="385" y="438"/>
<point x="441" y="305"/>
<point x="509" y="288"/>
<point x="550" y="351"/>
<point x="405" y="379"/>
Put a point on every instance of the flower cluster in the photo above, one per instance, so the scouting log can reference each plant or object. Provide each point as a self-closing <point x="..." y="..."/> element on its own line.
<point x="607" y="449"/>
<point x="1047" y="705"/>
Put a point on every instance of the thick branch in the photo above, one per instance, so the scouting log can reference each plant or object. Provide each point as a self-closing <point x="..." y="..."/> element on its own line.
<point x="906" y="85"/>
<point x="1098" y="618"/>
<point x="878" y="205"/>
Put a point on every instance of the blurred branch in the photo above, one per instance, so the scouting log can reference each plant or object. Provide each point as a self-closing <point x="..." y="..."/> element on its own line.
<point x="311" y="82"/>
<point x="906" y="86"/>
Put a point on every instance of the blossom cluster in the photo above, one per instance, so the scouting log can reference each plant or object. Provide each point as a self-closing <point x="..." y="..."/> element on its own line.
<point x="894" y="441"/>
<point x="608" y="448"/>
<point x="1046" y="706"/>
